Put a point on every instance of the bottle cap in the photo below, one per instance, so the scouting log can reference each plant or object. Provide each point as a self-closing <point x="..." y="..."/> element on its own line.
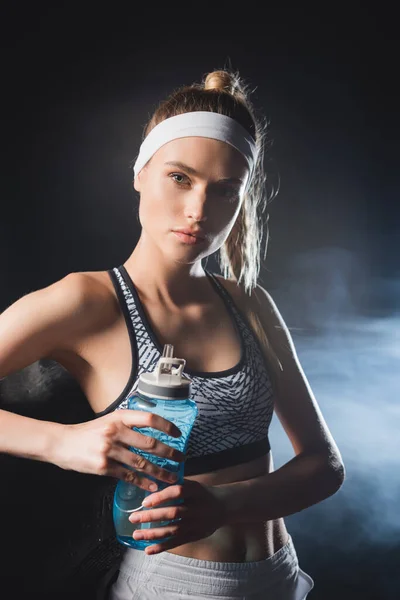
<point x="167" y="381"/>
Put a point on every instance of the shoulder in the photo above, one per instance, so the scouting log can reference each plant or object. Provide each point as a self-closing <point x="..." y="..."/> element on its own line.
<point x="86" y="301"/>
<point x="60" y="317"/>
<point x="260" y="302"/>
<point x="263" y="303"/>
<point x="266" y="321"/>
<point x="235" y="290"/>
<point x="90" y="291"/>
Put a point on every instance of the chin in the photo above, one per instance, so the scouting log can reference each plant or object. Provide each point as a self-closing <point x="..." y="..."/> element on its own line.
<point x="186" y="256"/>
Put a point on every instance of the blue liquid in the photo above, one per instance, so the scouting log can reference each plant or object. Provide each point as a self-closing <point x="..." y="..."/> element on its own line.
<point x="127" y="496"/>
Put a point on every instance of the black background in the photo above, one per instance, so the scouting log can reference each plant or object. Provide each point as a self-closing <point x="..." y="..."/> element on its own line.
<point x="78" y="87"/>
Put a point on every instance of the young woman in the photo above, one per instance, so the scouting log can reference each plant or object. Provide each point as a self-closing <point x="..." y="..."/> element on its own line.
<point x="199" y="173"/>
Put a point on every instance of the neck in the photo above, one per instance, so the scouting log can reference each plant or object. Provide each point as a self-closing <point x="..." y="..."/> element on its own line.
<point x="162" y="279"/>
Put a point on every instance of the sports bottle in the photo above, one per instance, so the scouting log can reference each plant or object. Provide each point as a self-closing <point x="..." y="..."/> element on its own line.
<point x="165" y="392"/>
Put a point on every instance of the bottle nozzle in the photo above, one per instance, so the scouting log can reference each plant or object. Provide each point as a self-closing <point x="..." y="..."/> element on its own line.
<point x="168" y="350"/>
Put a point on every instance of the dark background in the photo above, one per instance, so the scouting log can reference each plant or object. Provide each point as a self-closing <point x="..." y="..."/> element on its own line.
<point x="77" y="90"/>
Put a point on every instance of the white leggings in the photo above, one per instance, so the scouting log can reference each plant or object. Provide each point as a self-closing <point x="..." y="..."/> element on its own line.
<point x="167" y="576"/>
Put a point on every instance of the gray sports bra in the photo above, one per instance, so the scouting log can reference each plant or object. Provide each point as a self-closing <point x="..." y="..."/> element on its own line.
<point x="235" y="406"/>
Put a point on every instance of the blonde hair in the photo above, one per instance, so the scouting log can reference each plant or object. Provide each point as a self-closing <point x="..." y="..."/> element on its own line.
<point x="224" y="92"/>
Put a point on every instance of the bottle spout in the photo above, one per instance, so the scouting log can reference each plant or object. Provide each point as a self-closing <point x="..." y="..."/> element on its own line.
<point x="168" y="351"/>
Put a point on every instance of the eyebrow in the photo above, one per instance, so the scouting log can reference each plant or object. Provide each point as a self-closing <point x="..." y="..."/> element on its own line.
<point x="191" y="171"/>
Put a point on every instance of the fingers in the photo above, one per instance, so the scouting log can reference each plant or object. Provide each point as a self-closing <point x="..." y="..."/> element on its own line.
<point x="174" y="492"/>
<point x="151" y="445"/>
<point x="145" y="467"/>
<point x="147" y="443"/>
<point x="118" y="471"/>
<point x="157" y="533"/>
<point x="141" y="418"/>
<point x="170" y="513"/>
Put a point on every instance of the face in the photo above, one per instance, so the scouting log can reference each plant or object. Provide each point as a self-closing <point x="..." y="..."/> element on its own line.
<point x="190" y="183"/>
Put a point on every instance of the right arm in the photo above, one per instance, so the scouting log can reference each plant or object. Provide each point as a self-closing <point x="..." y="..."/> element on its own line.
<point x="37" y="326"/>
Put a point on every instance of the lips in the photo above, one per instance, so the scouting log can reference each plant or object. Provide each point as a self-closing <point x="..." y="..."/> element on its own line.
<point x="190" y="232"/>
<point x="188" y="238"/>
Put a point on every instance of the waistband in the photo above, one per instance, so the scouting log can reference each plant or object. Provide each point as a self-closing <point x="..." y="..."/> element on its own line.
<point x="169" y="570"/>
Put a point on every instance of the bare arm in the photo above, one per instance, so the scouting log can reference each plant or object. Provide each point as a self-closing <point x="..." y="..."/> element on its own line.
<point x="37" y="326"/>
<point x="28" y="438"/>
<point x="317" y="471"/>
<point x="29" y="330"/>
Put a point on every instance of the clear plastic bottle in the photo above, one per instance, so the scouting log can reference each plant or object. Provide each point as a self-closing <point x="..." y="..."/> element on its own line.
<point x="165" y="392"/>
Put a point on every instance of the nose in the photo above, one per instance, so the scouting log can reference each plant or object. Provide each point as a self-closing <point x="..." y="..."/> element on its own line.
<point x="196" y="205"/>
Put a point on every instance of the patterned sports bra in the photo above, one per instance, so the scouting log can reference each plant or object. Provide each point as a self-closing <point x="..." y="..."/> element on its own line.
<point x="235" y="406"/>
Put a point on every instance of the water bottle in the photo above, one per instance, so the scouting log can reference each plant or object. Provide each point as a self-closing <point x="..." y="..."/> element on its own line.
<point x="165" y="392"/>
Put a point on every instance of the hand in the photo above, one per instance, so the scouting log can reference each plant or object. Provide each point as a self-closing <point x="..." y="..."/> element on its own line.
<point x="101" y="447"/>
<point x="201" y="513"/>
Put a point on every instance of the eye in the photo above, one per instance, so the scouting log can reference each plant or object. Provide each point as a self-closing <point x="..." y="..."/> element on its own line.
<point x="230" y="193"/>
<point x="179" y="178"/>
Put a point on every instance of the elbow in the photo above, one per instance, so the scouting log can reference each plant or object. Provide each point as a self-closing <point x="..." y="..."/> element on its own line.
<point x="335" y="474"/>
<point x="328" y="470"/>
<point x="338" y="478"/>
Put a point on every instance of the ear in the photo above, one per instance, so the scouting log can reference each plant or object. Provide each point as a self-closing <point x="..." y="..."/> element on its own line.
<point x="137" y="182"/>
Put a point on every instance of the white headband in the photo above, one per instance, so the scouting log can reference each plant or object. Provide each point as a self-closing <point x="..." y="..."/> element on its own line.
<point x="198" y="124"/>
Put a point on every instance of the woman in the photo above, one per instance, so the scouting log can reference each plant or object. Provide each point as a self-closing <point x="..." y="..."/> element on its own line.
<point x="200" y="178"/>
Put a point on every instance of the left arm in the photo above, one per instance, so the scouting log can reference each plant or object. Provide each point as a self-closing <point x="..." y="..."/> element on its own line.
<point x="305" y="480"/>
<point x="317" y="470"/>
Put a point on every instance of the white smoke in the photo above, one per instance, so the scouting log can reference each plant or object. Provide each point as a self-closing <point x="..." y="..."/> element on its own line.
<point x="352" y="361"/>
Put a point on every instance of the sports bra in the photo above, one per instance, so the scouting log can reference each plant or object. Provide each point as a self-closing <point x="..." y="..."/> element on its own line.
<point x="235" y="406"/>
